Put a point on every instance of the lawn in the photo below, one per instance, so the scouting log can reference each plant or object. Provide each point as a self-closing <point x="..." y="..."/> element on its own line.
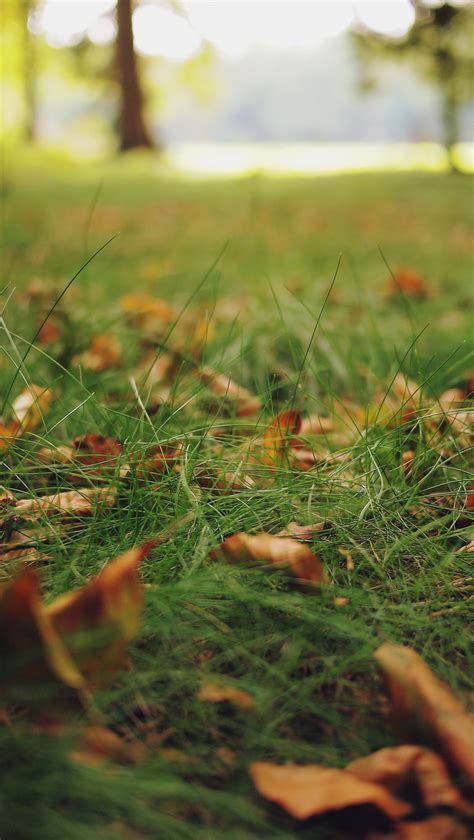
<point x="285" y="286"/>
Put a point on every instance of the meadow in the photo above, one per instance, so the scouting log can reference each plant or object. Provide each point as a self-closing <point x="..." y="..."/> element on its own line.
<point x="344" y="299"/>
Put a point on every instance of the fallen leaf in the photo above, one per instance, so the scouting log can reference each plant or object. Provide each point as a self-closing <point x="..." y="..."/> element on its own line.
<point x="439" y="827"/>
<point x="211" y="692"/>
<point x="303" y="533"/>
<point x="70" y="502"/>
<point x="28" y="408"/>
<point x="316" y="425"/>
<point x="397" y="767"/>
<point x="141" y="309"/>
<point x="103" y="353"/>
<point x="277" y="436"/>
<point x="424" y="706"/>
<point x="225" y="483"/>
<point x="49" y="332"/>
<point x="36" y="665"/>
<point x="97" y="621"/>
<point x="305" y="791"/>
<point x="160" y="457"/>
<point x="52" y="653"/>
<point x="98" y="744"/>
<point x="347" y="557"/>
<point x="222" y="386"/>
<point x="408" y="282"/>
<point x="283" y="552"/>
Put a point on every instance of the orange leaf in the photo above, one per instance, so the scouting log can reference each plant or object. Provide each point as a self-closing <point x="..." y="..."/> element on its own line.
<point x="97" y="621"/>
<point x="36" y="666"/>
<point x="142" y="308"/>
<point x="425" y="706"/>
<point x="408" y="282"/>
<point x="305" y="791"/>
<point x="283" y="552"/>
<point x="396" y="767"/>
<point x="103" y="353"/>
<point x="217" y="693"/>
<point x="278" y="433"/>
<point x="439" y="827"/>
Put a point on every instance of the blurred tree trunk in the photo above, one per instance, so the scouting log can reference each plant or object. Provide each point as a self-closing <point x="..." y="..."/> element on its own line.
<point x="29" y="73"/>
<point x="133" y="130"/>
<point x="451" y="128"/>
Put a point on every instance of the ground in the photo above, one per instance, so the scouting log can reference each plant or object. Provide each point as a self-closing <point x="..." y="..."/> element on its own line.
<point x="248" y="267"/>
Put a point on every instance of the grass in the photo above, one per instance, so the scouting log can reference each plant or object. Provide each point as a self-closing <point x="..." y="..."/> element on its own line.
<point x="306" y="660"/>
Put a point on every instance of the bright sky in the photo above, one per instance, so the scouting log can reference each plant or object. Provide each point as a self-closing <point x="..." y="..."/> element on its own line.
<point x="232" y="26"/>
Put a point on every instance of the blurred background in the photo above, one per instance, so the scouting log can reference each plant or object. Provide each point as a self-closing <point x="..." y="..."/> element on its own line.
<point x="232" y="87"/>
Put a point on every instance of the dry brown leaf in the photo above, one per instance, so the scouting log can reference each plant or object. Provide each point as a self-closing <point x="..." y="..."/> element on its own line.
<point x="103" y="353"/>
<point x="98" y="744"/>
<point x="439" y="827"/>
<point x="305" y="791"/>
<point x="70" y="502"/>
<point x="222" y="386"/>
<point x="303" y="533"/>
<point x="28" y="408"/>
<point x="97" y="621"/>
<point x="279" y="433"/>
<point x="141" y="308"/>
<point x="424" y="706"/>
<point x="160" y="457"/>
<point x="211" y="692"/>
<point x="224" y="484"/>
<point x="316" y="425"/>
<point x="51" y="653"/>
<point x="36" y="665"/>
<point x="397" y="767"/>
<point x="283" y="552"/>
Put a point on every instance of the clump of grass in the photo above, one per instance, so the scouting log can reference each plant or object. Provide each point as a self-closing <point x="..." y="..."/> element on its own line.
<point x="306" y="660"/>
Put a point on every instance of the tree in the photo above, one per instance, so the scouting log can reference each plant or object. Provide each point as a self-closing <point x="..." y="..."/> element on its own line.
<point x="439" y="46"/>
<point x="133" y="129"/>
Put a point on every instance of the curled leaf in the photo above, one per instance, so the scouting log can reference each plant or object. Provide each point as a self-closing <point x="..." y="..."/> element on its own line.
<point x="397" y="767"/>
<point x="211" y="692"/>
<point x="424" y="706"/>
<point x="71" y="502"/>
<point x="36" y="665"/>
<point x="305" y="791"/>
<point x="97" y="621"/>
<point x="29" y="407"/>
<point x="283" y="552"/>
<point x="277" y="436"/>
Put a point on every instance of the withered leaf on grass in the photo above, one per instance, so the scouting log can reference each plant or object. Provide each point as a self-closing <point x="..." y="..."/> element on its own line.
<point x="425" y="707"/>
<point x="52" y="652"/>
<point x="70" y="502"/>
<point x="438" y="827"/>
<point x="398" y="767"/>
<point x="305" y="791"/>
<point x="103" y="353"/>
<point x="97" y="621"/>
<point x="98" y="744"/>
<point x="278" y="434"/>
<point x="283" y="552"/>
<point x="303" y="533"/>
<point x="28" y="409"/>
<point x="409" y="282"/>
<point x="216" y="692"/>
<point x="222" y="386"/>
<point x="36" y="665"/>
